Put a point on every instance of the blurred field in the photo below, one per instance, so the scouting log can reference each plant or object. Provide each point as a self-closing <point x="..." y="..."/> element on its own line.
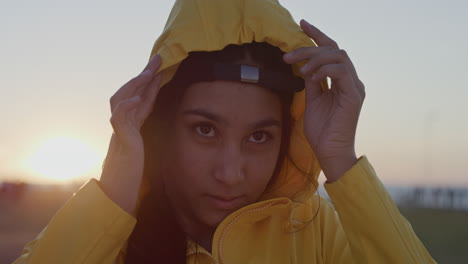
<point x="443" y="232"/>
<point x="21" y="219"/>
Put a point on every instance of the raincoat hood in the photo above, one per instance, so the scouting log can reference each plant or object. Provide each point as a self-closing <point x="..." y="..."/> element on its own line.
<point x="205" y="25"/>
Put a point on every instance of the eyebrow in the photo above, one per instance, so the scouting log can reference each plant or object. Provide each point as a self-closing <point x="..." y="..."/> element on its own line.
<point x="268" y="122"/>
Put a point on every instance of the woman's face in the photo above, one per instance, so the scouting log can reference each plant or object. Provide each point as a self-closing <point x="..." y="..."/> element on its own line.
<point x="223" y="151"/>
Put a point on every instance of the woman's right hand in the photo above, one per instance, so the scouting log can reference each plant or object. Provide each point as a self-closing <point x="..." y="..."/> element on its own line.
<point x="130" y="106"/>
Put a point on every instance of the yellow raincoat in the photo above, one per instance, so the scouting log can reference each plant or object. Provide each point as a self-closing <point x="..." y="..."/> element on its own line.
<point x="290" y="223"/>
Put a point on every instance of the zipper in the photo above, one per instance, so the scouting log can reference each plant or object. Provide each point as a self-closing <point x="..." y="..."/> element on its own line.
<point x="220" y="242"/>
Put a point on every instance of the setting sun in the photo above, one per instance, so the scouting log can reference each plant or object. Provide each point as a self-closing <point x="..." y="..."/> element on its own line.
<point x="62" y="159"/>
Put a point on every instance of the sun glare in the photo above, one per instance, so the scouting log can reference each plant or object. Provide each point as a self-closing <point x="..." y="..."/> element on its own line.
<point x="63" y="159"/>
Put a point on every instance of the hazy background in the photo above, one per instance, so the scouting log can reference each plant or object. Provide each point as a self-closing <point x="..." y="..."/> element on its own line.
<point x="62" y="60"/>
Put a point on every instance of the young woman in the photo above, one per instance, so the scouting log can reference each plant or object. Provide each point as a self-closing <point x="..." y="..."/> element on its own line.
<point x="216" y="151"/>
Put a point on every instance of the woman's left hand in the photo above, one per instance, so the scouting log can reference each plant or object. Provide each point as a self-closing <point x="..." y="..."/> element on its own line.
<point x="331" y="116"/>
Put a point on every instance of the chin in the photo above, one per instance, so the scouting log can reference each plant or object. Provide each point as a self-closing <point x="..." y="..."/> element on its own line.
<point x="214" y="218"/>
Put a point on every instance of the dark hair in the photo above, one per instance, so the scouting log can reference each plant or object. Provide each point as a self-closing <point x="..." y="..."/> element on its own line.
<point x="157" y="235"/>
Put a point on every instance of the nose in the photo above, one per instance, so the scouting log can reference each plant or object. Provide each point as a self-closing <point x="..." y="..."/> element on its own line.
<point x="229" y="168"/>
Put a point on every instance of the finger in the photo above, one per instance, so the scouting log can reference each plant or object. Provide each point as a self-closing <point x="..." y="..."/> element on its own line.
<point x="120" y="112"/>
<point x="130" y="88"/>
<point x="153" y="63"/>
<point x="313" y="90"/>
<point x="318" y="36"/>
<point x="353" y="71"/>
<point x="362" y="90"/>
<point x="334" y="71"/>
<point x="333" y="56"/>
<point x="339" y="74"/>
<point x="148" y="72"/>
<point x="149" y="98"/>
<point x="322" y="40"/>
<point x="119" y="119"/>
<point x="303" y="53"/>
<point x="152" y="90"/>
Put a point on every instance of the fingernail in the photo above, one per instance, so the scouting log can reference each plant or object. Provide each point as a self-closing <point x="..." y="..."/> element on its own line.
<point x="154" y="56"/>
<point x="135" y="98"/>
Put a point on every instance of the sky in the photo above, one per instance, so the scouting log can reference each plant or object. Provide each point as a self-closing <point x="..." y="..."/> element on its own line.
<point x="61" y="61"/>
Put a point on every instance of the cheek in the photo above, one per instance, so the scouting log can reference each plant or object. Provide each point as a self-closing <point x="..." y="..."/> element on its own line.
<point x="194" y="162"/>
<point x="261" y="167"/>
<point x="190" y="165"/>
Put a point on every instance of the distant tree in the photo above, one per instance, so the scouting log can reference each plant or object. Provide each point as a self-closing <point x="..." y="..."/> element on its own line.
<point x="451" y="198"/>
<point x="418" y="196"/>
<point x="12" y="190"/>
<point x="436" y="197"/>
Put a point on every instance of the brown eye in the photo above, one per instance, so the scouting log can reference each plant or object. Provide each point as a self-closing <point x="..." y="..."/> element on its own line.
<point x="259" y="137"/>
<point x="204" y="130"/>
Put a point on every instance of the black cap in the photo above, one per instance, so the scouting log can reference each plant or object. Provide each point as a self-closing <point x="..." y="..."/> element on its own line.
<point x="203" y="68"/>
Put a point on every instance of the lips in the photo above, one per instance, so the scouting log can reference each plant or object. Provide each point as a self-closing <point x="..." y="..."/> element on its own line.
<point x="225" y="203"/>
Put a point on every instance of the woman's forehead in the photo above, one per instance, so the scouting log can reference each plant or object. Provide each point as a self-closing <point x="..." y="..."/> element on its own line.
<point x="231" y="99"/>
